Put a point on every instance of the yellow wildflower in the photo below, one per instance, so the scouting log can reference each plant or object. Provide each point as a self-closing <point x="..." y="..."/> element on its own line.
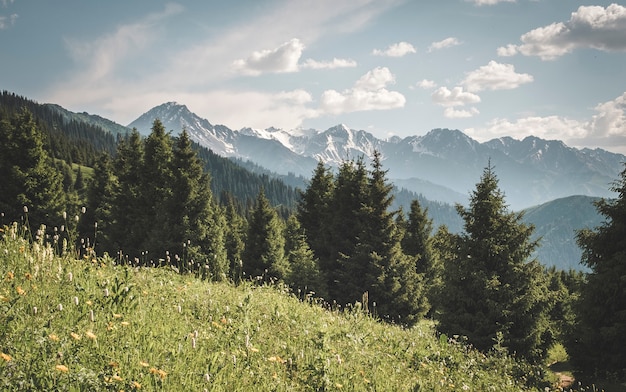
<point x="125" y="323"/>
<point x="20" y="290"/>
<point x="117" y="315"/>
<point x="90" y="335"/>
<point x="117" y="378"/>
<point x="62" y="368"/>
<point x="162" y="374"/>
<point x="114" y="364"/>
<point x="28" y="276"/>
<point x="339" y="386"/>
<point x="135" y="385"/>
<point x="253" y="349"/>
<point x="10" y="276"/>
<point x="6" y="357"/>
<point x="89" y="303"/>
<point x="144" y="364"/>
<point x="75" y="336"/>
<point x="53" y="337"/>
<point x="4" y="299"/>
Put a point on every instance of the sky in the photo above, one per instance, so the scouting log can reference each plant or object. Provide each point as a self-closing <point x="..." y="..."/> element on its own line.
<point x="555" y="69"/>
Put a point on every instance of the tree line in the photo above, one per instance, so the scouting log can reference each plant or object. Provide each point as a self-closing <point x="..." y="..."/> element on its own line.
<point x="151" y="204"/>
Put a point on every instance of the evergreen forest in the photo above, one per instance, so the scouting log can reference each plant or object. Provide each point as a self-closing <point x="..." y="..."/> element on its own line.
<point x="164" y="202"/>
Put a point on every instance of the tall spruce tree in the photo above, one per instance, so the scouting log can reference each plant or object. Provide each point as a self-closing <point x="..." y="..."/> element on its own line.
<point x="347" y="278"/>
<point x="597" y="345"/>
<point x="264" y="255"/>
<point x="492" y="293"/>
<point x="95" y="224"/>
<point x="314" y="212"/>
<point x="156" y="190"/>
<point x="304" y="271"/>
<point x="127" y="224"/>
<point x="192" y="214"/>
<point x="27" y="174"/>
<point x="235" y="240"/>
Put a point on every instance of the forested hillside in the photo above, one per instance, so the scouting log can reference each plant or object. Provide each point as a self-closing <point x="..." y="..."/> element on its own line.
<point x="150" y="204"/>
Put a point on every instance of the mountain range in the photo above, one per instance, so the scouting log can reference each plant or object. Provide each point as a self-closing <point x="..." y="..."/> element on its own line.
<point x="442" y="165"/>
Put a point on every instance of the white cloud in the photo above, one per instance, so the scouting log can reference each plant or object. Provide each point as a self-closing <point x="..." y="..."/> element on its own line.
<point x="589" y="27"/>
<point x="426" y="84"/>
<point x="445" y="43"/>
<point x="460" y="113"/>
<point x="495" y="76"/>
<point x="489" y="2"/>
<point x="7" y="21"/>
<point x="335" y="63"/>
<point x="280" y="60"/>
<point x="455" y="97"/>
<point x="395" y="50"/>
<point x="605" y="129"/>
<point x="368" y="93"/>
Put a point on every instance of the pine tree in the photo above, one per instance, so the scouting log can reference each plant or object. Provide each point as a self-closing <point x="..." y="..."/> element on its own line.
<point x="128" y="231"/>
<point x="264" y="255"/>
<point x="156" y="191"/>
<point x="95" y="224"/>
<point x="492" y="293"/>
<point x="27" y="174"/>
<point x="305" y="274"/>
<point x="387" y="274"/>
<point x="418" y="244"/>
<point x="235" y="244"/>
<point x="314" y="211"/>
<point x="595" y="345"/>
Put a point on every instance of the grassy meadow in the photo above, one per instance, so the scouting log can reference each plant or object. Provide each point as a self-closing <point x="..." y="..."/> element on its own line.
<point x="89" y="325"/>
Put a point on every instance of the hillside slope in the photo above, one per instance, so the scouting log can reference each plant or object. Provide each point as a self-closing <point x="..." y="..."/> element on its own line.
<point x="90" y="325"/>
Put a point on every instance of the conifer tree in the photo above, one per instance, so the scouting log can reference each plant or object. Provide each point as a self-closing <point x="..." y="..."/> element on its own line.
<point x="492" y="294"/>
<point x="264" y="255"/>
<point x="27" y="174"/>
<point x="235" y="236"/>
<point x="305" y="274"/>
<point x="128" y="231"/>
<point x="96" y="222"/>
<point x="346" y="278"/>
<point x="314" y="211"/>
<point x="156" y="191"/>
<point x="192" y="214"/>
<point x="601" y="313"/>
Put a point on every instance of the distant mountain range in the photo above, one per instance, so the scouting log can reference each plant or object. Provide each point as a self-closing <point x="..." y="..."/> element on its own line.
<point x="555" y="184"/>
<point x="443" y="165"/>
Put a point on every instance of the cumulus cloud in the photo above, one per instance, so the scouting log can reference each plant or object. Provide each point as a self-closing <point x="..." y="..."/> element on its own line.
<point x="396" y="50"/>
<point x="605" y="129"/>
<point x="368" y="93"/>
<point x="445" y="43"/>
<point x="280" y="60"/>
<point x="589" y="27"/>
<point x="334" y="63"/>
<point x="455" y="97"/>
<point x="426" y="84"/>
<point x="460" y="113"/>
<point x="495" y="76"/>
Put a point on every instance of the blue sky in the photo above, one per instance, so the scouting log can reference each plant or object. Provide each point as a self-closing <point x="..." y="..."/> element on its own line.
<point x="555" y="69"/>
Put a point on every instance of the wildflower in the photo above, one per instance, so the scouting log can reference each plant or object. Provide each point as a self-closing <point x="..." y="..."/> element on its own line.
<point x="4" y="299"/>
<point x="60" y="307"/>
<point x="90" y="335"/>
<point x="34" y="310"/>
<point x="135" y="385"/>
<point x="25" y="209"/>
<point x="62" y="368"/>
<point x="144" y="364"/>
<point x="91" y="316"/>
<point x="28" y="276"/>
<point x="75" y="336"/>
<point x="193" y="343"/>
<point x="106" y="292"/>
<point x="6" y="357"/>
<point x="76" y="301"/>
<point x="116" y="378"/>
<point x="253" y="349"/>
<point x="207" y="377"/>
<point x="338" y="386"/>
<point x="53" y="337"/>
<point x="89" y="303"/>
<point x="114" y="364"/>
<point x="20" y="290"/>
<point x="125" y="323"/>
<point x="117" y="315"/>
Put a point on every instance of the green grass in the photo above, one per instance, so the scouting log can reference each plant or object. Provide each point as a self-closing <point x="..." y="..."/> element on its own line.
<point x="89" y="325"/>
